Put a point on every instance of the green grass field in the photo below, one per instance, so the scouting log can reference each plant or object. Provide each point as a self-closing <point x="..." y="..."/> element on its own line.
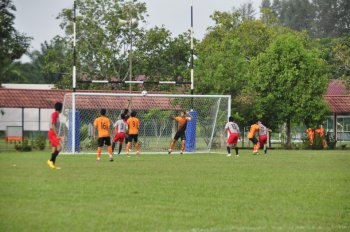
<point x="284" y="191"/>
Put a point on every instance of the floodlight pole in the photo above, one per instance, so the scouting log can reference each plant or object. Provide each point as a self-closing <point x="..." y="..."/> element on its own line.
<point x="192" y="54"/>
<point x="130" y="52"/>
<point x="74" y="43"/>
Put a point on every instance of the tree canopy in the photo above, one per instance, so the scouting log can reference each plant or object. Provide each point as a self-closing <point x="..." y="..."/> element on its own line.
<point x="13" y="44"/>
<point x="275" y="67"/>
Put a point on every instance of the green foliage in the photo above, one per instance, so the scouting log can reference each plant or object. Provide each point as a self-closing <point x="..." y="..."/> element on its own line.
<point x="318" y="142"/>
<point x="321" y="18"/>
<point x="161" y="57"/>
<point x="84" y="131"/>
<point x="289" y="80"/>
<point x="88" y="143"/>
<point x="101" y="43"/>
<point x="39" y="143"/>
<point x="13" y="44"/>
<point x="23" y="146"/>
<point x="341" y="56"/>
<point x="331" y="141"/>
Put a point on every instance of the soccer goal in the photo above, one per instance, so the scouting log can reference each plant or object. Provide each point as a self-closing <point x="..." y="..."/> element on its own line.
<point x="157" y="129"/>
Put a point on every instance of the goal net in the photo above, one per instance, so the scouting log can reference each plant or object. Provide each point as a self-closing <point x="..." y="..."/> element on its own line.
<point x="157" y="129"/>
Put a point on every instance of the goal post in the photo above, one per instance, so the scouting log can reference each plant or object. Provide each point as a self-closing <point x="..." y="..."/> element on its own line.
<point x="157" y="129"/>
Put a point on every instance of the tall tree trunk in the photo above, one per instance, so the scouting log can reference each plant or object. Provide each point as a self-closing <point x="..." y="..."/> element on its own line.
<point x="288" y="134"/>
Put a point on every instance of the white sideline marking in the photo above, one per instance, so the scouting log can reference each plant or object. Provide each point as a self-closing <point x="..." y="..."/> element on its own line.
<point x="266" y="228"/>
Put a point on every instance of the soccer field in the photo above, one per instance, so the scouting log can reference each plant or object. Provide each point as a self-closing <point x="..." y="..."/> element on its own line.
<point x="284" y="191"/>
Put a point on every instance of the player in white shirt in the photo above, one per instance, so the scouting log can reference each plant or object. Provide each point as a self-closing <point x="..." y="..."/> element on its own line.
<point x="263" y="136"/>
<point x="120" y="131"/>
<point x="233" y="134"/>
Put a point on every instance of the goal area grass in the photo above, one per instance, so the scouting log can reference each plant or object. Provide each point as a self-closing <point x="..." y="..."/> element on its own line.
<point x="287" y="190"/>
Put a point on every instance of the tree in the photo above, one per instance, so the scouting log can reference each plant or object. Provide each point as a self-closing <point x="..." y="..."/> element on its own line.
<point x="287" y="82"/>
<point x="102" y="44"/>
<point x="52" y="61"/>
<point x="224" y="58"/>
<point x="161" y="57"/>
<point x="220" y="63"/>
<point x="104" y="47"/>
<point x="341" y="55"/>
<point x="297" y="15"/>
<point x="343" y="17"/>
<point x="247" y="11"/>
<point x="12" y="43"/>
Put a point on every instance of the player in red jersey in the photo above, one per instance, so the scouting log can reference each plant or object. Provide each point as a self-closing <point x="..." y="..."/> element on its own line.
<point x="121" y="128"/>
<point x="53" y="135"/>
<point x="233" y="130"/>
<point x="263" y="136"/>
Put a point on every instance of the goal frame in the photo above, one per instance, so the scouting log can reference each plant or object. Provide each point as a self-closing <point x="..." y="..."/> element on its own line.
<point x="76" y="94"/>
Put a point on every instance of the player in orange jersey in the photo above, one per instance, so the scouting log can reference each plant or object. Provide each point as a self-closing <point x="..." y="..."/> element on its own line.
<point x="53" y="135"/>
<point x="181" y="131"/>
<point x="103" y="126"/>
<point x="310" y="134"/>
<point x="251" y="136"/>
<point x="133" y="125"/>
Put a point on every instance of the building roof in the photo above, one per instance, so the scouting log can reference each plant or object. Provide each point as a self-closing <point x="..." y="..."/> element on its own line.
<point x="29" y="98"/>
<point x="338" y="103"/>
<point x="27" y="86"/>
<point x="338" y="97"/>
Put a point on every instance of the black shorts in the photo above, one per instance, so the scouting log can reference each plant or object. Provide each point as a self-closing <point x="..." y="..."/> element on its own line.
<point x="180" y="134"/>
<point x="254" y="140"/>
<point x="133" y="137"/>
<point x="104" y="140"/>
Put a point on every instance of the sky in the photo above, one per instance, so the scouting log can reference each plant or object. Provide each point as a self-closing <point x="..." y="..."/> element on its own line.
<point x="37" y="18"/>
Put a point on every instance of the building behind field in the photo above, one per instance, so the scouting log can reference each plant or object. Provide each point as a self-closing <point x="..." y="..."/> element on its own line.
<point x="25" y="109"/>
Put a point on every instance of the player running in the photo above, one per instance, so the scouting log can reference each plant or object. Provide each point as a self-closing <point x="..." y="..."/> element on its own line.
<point x="181" y="131"/>
<point x="103" y="126"/>
<point x="53" y="135"/>
<point x="134" y="125"/>
<point x="263" y="135"/>
<point x="233" y="131"/>
<point x="251" y="136"/>
<point x="120" y="132"/>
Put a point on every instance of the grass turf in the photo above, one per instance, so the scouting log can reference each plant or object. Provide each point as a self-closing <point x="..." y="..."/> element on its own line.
<point x="284" y="191"/>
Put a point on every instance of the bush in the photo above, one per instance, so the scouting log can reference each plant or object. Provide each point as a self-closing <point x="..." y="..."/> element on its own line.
<point x="39" y="143"/>
<point x="330" y="140"/>
<point x="84" y="131"/>
<point x="88" y="143"/>
<point x="306" y="143"/>
<point x="318" y="142"/>
<point x="23" y="146"/>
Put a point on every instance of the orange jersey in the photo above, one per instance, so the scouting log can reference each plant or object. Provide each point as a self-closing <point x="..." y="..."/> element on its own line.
<point x="134" y="125"/>
<point x="320" y="131"/>
<point x="182" y="122"/>
<point x="102" y="123"/>
<point x="253" y="129"/>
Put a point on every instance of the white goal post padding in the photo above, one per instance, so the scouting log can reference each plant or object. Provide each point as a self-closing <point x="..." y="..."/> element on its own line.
<point x="157" y="129"/>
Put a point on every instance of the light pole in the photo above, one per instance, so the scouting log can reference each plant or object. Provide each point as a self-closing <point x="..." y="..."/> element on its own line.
<point x="192" y="54"/>
<point x="131" y="22"/>
<point x="74" y="43"/>
<point x="130" y="52"/>
<point x="192" y="50"/>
